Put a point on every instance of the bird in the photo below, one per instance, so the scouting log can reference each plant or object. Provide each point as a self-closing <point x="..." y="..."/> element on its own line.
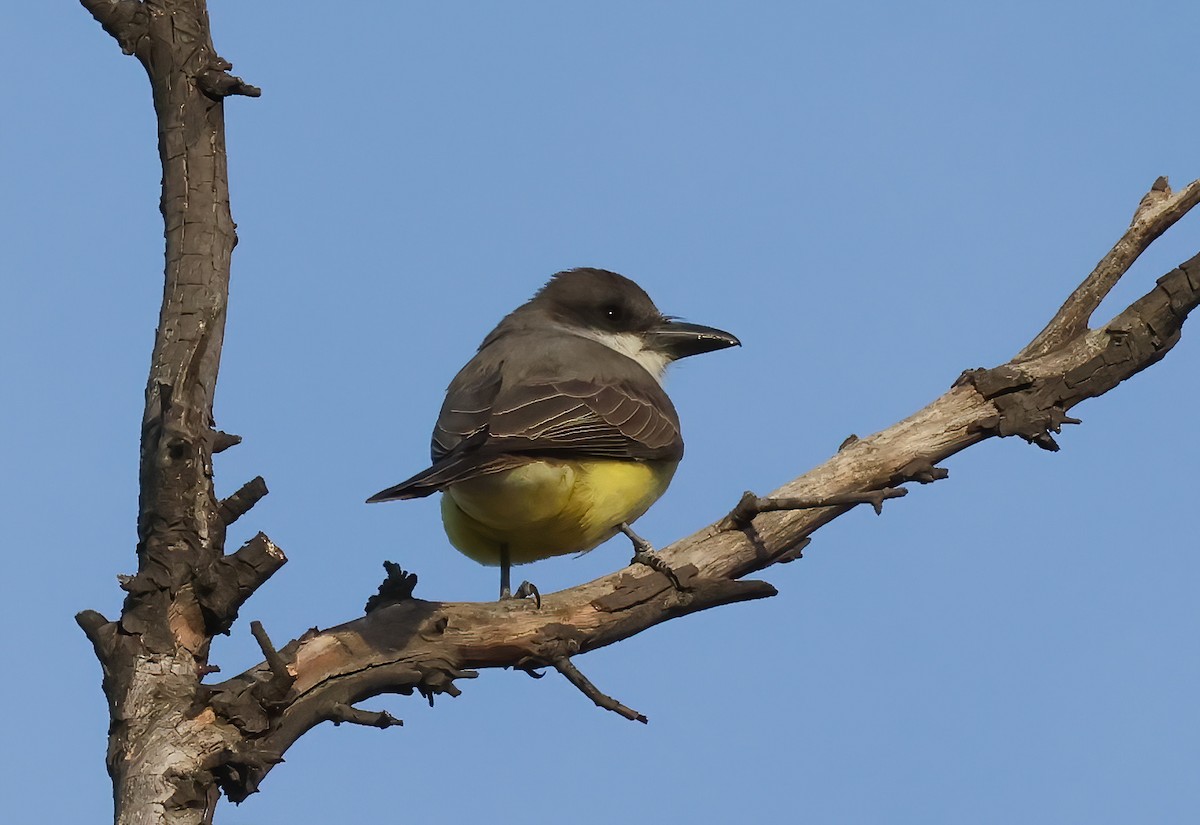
<point x="558" y="434"/>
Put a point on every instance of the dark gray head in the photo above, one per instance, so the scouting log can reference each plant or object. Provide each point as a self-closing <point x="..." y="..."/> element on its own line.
<point x="596" y="298"/>
<point x="613" y="310"/>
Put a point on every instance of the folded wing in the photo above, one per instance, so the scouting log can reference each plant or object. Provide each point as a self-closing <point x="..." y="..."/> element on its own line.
<point x="496" y="418"/>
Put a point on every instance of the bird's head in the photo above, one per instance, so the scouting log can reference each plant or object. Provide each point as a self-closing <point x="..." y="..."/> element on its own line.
<point x="615" y="311"/>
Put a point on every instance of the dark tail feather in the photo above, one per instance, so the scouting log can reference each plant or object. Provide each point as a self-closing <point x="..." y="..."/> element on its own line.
<point x="403" y="490"/>
<point x="425" y="483"/>
<point x="441" y="475"/>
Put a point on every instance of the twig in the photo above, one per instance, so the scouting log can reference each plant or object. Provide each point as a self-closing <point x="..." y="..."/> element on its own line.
<point x="222" y="441"/>
<point x="216" y="82"/>
<point x="281" y="678"/>
<point x="341" y="712"/>
<point x="100" y="632"/>
<point x="237" y="505"/>
<point x="564" y="666"/>
<point x="1157" y="212"/>
<point x="751" y="505"/>
<point x="398" y="586"/>
<point x="224" y="586"/>
<point x="920" y="470"/>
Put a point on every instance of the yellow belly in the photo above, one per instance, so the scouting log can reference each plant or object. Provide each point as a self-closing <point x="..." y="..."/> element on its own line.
<point x="546" y="508"/>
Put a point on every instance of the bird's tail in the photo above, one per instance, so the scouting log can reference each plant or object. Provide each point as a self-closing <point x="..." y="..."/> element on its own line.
<point x="441" y="475"/>
<point x="403" y="490"/>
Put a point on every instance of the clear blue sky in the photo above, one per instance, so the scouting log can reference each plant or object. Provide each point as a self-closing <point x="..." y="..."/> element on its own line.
<point x="872" y="196"/>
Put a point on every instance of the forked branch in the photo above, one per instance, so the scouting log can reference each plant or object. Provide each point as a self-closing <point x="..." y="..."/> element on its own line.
<point x="1157" y="212"/>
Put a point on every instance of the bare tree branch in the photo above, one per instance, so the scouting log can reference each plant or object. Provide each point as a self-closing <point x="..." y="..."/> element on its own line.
<point x="281" y="678"/>
<point x="564" y="666"/>
<point x="240" y="503"/>
<point x="340" y="713"/>
<point x="223" y="441"/>
<point x="216" y="82"/>
<point x="221" y="588"/>
<point x="751" y="505"/>
<point x="1158" y="211"/>
<point x="408" y="644"/>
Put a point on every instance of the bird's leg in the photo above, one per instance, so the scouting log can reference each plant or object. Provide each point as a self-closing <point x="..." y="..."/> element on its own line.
<point x="524" y="589"/>
<point x="643" y="553"/>
<point x="505" y="573"/>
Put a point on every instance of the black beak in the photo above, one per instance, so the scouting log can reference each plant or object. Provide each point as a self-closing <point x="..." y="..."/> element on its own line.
<point x="679" y="340"/>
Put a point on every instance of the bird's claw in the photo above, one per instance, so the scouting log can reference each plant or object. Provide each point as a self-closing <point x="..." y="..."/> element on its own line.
<point x="655" y="562"/>
<point x="524" y="590"/>
<point x="643" y="553"/>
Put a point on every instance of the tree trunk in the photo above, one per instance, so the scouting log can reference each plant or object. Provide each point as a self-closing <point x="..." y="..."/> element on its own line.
<point x="160" y="751"/>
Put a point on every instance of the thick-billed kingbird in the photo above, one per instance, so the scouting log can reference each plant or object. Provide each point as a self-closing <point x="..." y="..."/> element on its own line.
<point x="558" y="434"/>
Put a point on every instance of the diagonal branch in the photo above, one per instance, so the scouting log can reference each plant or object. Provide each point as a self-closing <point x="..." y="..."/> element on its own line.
<point x="242" y="501"/>
<point x="602" y="700"/>
<point x="282" y="679"/>
<point x="405" y="645"/>
<point x="751" y="505"/>
<point x="222" y="587"/>
<point x="1158" y="211"/>
<point x="340" y="713"/>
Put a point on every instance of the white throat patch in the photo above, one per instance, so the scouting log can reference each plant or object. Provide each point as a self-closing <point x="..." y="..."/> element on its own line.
<point x="632" y="346"/>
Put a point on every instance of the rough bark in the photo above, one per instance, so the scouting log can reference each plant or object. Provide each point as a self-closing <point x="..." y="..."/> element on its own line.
<point x="181" y="594"/>
<point x="176" y="742"/>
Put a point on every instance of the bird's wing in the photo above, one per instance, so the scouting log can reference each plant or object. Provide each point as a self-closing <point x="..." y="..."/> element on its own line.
<point x="494" y="419"/>
<point x="582" y="417"/>
<point x="467" y="411"/>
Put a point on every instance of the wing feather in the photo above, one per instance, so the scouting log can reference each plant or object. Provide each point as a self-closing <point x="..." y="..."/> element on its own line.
<point x="502" y="412"/>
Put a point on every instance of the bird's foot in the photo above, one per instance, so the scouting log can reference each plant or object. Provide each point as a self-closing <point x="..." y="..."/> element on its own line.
<point x="524" y="590"/>
<point x="643" y="553"/>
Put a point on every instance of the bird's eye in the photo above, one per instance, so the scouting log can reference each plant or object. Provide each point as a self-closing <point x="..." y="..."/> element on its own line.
<point x="613" y="312"/>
